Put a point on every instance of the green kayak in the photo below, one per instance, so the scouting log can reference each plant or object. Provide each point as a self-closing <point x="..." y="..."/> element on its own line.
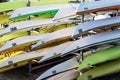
<point x="101" y="70"/>
<point x="100" y="57"/>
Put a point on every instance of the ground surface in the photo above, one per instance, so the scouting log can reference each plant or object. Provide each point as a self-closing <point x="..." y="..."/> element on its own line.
<point x="21" y="74"/>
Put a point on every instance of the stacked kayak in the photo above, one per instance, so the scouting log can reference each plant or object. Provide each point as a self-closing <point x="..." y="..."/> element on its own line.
<point x="83" y="37"/>
<point x="96" y="44"/>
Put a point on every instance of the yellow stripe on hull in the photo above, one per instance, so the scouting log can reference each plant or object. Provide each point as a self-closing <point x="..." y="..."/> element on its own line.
<point x="4" y="19"/>
<point x="8" y="37"/>
<point x="16" y="65"/>
<point x="42" y="31"/>
<point x="12" y="55"/>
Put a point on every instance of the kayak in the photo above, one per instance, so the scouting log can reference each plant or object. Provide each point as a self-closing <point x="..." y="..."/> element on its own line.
<point x="101" y="70"/>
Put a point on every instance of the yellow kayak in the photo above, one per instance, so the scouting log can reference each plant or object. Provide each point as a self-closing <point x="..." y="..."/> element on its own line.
<point x="9" y="55"/>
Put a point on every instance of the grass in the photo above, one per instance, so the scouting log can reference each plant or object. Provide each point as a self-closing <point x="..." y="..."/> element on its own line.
<point x="51" y="2"/>
<point x="6" y="6"/>
<point x="102" y="56"/>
